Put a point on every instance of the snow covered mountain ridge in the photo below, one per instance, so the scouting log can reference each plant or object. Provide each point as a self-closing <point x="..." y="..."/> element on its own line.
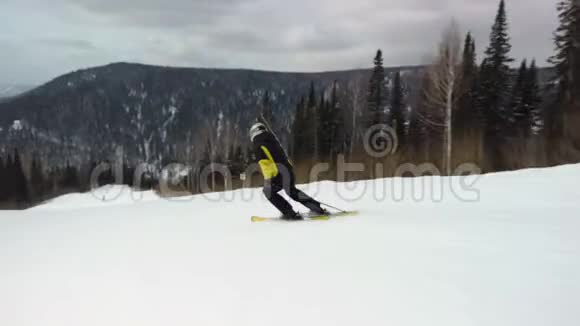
<point x="7" y="90"/>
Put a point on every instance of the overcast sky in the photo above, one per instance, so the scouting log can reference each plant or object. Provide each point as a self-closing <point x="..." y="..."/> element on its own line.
<point x="41" y="39"/>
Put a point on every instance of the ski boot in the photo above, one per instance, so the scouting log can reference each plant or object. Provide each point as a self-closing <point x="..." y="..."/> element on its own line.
<point x="293" y="216"/>
<point x="319" y="212"/>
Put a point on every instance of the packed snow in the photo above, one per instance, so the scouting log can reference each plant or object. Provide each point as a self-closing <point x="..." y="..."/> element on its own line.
<point x="506" y="251"/>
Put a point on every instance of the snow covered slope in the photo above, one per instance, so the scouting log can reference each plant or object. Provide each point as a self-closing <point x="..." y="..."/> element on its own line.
<point x="512" y="257"/>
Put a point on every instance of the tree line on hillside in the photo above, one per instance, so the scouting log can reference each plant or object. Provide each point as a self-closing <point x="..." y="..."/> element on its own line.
<point x="468" y="111"/>
<point x="20" y="187"/>
<point x="486" y="113"/>
<point x="26" y="181"/>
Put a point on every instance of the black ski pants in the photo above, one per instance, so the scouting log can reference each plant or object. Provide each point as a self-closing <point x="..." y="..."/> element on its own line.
<point x="286" y="180"/>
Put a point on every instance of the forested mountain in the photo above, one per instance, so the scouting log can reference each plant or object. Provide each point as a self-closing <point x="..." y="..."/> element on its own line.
<point x="458" y="109"/>
<point x="158" y="113"/>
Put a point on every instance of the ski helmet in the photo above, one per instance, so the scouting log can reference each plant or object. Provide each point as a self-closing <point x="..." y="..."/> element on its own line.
<point x="257" y="129"/>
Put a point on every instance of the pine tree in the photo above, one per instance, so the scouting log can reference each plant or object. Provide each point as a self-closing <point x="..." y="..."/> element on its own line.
<point x="300" y="141"/>
<point x="377" y="94"/>
<point x="3" y="176"/>
<point x="468" y="115"/>
<point x="495" y="77"/>
<point x="398" y="108"/>
<point x="567" y="57"/>
<point x="128" y="174"/>
<point x="467" y="119"/>
<point x="313" y="128"/>
<point x="325" y="130"/>
<point x="312" y="96"/>
<point x="9" y="181"/>
<point x="481" y="96"/>
<point x="310" y="125"/>
<point x="70" y="180"/>
<point x="533" y="100"/>
<point x="470" y="73"/>
<point x="305" y="128"/>
<point x="469" y="56"/>
<point x="338" y="134"/>
<point x="518" y="105"/>
<point x="37" y="180"/>
<point x="295" y="151"/>
<point x="330" y="127"/>
<point x="20" y="185"/>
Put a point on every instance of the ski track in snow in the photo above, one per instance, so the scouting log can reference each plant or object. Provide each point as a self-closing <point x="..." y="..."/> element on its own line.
<point x="512" y="258"/>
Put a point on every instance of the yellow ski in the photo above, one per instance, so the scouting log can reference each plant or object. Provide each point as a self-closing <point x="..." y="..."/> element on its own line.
<point x="257" y="219"/>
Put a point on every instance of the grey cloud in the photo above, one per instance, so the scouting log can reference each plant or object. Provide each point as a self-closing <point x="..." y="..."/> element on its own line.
<point x="301" y="35"/>
<point x="160" y="13"/>
<point x="252" y="41"/>
<point x="62" y="44"/>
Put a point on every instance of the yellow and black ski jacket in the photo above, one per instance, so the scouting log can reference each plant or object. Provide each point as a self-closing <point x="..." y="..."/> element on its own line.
<point x="270" y="155"/>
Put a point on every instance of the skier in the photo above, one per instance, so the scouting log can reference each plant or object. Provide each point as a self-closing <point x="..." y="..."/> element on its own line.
<point x="279" y="175"/>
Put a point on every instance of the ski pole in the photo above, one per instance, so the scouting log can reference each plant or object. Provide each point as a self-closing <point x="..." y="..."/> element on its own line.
<point x="330" y="206"/>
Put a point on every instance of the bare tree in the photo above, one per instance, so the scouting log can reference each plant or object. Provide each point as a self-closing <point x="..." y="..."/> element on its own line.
<point x="357" y="105"/>
<point x="442" y="95"/>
